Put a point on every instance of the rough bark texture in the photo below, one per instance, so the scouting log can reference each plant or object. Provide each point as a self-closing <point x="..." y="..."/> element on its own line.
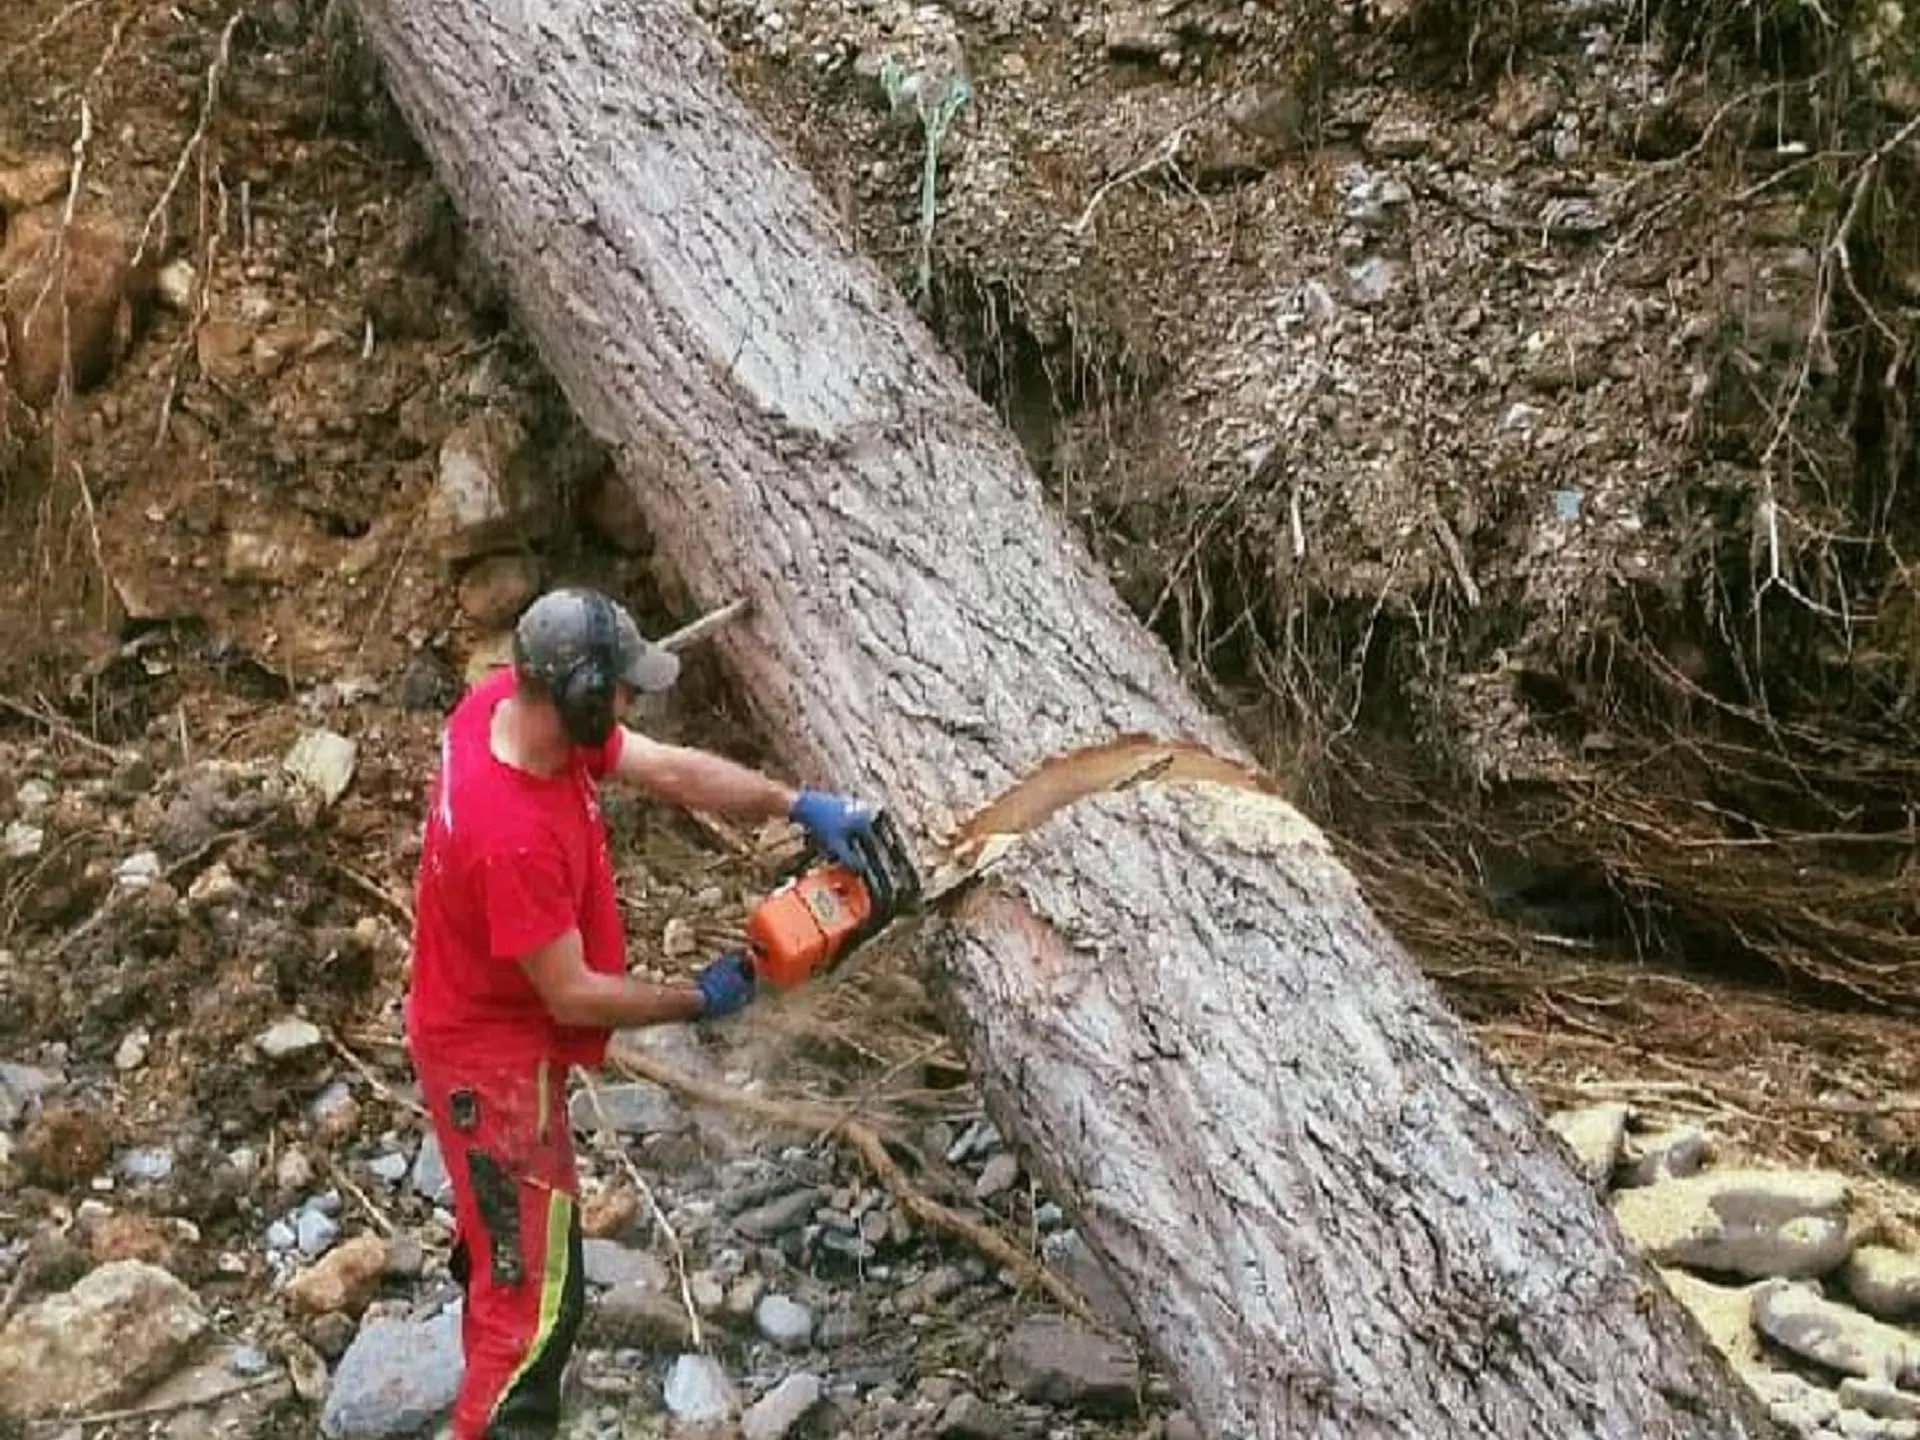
<point x="1332" y="1216"/>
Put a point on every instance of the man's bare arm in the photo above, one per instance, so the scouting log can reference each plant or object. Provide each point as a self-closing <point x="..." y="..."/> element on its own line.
<point x="700" y="780"/>
<point x="576" y="995"/>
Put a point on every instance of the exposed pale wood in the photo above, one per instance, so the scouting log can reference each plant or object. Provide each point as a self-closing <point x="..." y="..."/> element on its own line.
<point x="1333" y="1216"/>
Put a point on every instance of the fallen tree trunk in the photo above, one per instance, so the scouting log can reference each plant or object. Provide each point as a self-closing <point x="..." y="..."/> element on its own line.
<point x="1331" y="1215"/>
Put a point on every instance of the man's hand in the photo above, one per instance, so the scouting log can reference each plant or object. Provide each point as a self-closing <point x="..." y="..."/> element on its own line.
<point x="725" y="986"/>
<point x="831" y="821"/>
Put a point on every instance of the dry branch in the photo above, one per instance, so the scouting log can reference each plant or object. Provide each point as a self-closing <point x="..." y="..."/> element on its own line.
<point x="827" y="1122"/>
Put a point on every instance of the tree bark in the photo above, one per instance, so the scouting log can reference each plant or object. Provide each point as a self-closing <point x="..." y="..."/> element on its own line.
<point x="1332" y="1216"/>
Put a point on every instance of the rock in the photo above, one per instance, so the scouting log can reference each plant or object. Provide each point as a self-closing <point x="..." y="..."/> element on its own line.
<point x="22" y="841"/>
<point x="697" y="1390"/>
<point x="777" y="1217"/>
<point x="293" y="1171"/>
<point x="637" y="1316"/>
<point x="784" y="1321"/>
<point x="344" y="1280"/>
<point x="998" y="1176"/>
<point x="638" y="1108"/>
<point x="314" y="1231"/>
<point x="174" y="285"/>
<point x="744" y="1297"/>
<point x="398" y="1377"/>
<point x="1133" y="33"/>
<point x="123" y="1328"/>
<point x="1595" y="1134"/>
<point x="607" y="1213"/>
<point x="131" y="1053"/>
<point x="1876" y="1397"/>
<point x="1068" y="1252"/>
<point x="1793" y="1401"/>
<point x="406" y="1258"/>
<point x="1371" y="281"/>
<point x="44" y="262"/>
<point x="1796" y="1317"/>
<point x="430" y="1180"/>
<point x="1668" y="1155"/>
<point x="331" y="1334"/>
<point x="968" y="1417"/>
<point x="287" y="1038"/>
<point x="33" y="182"/>
<point x="608" y="1263"/>
<point x="781" y="1408"/>
<point x="1394" y="137"/>
<point x="1757" y="1223"/>
<point x="496" y="588"/>
<point x="1056" y="1362"/>
<point x="709" y="1291"/>
<point x="20" y="1087"/>
<point x="1883" y="1281"/>
<point x="1724" y="1312"/>
<point x="678" y="939"/>
<point x="323" y="761"/>
<point x="151" y="1164"/>
<point x="473" y="508"/>
<point x="1180" y="1426"/>
<point x="930" y="1289"/>
<point x="390" y="1168"/>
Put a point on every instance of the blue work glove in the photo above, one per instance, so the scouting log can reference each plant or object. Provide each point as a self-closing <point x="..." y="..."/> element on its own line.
<point x="725" y="985"/>
<point x="829" y="821"/>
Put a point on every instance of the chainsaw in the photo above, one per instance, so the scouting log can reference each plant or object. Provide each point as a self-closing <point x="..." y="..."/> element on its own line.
<point x="823" y="910"/>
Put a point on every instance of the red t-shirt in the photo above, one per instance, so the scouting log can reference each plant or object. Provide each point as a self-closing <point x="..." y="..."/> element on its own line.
<point x="508" y="861"/>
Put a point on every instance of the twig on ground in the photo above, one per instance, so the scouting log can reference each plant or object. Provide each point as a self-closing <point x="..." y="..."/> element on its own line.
<point x="374" y="1082"/>
<point x="165" y="1407"/>
<point x="62" y="728"/>
<point x="653" y="1204"/>
<point x="832" y="1123"/>
<point x="372" y="888"/>
<point x="358" y="1194"/>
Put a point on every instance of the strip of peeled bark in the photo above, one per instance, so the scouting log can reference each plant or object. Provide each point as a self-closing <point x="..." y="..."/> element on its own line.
<point x="1331" y="1215"/>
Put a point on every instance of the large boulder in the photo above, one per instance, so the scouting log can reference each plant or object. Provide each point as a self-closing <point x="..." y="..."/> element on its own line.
<point x="122" y="1329"/>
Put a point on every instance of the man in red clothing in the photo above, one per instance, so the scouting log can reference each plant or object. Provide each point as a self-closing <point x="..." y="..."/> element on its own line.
<point x="519" y="969"/>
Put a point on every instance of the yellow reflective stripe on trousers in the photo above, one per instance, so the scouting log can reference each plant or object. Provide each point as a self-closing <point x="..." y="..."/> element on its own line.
<point x="553" y="1286"/>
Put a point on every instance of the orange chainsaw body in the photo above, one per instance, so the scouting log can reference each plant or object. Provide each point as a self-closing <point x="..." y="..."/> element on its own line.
<point x="818" y="915"/>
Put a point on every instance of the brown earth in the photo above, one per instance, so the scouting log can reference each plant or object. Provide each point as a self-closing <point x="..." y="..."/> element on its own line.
<point x="226" y="536"/>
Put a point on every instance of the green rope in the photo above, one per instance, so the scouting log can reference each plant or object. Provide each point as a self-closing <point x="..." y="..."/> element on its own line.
<point x="935" y="120"/>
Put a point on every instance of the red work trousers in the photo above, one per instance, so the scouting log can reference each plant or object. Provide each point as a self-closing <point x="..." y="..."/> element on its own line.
<point x="502" y="1127"/>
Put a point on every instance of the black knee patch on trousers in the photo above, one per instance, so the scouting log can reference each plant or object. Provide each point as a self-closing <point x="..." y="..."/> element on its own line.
<point x="531" y="1409"/>
<point x="497" y="1197"/>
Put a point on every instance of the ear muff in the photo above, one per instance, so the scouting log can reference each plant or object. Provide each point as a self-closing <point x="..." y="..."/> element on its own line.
<point x="584" y="695"/>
